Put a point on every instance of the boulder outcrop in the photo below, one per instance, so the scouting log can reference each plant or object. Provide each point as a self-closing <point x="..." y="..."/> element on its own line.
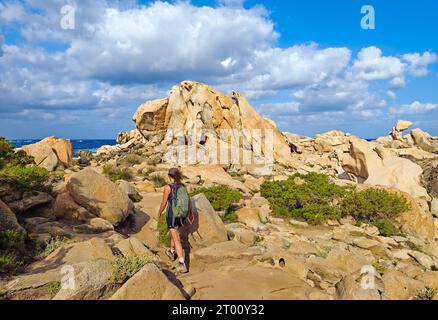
<point x="51" y="152"/>
<point x="199" y="116"/>
<point x="99" y="196"/>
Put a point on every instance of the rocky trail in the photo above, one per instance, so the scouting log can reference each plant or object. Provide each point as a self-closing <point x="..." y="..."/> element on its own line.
<point x="90" y="229"/>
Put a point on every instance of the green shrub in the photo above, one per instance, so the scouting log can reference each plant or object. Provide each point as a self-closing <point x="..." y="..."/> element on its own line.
<point x="163" y="231"/>
<point x="24" y="178"/>
<point x="314" y="201"/>
<point x="9" y="263"/>
<point x="10" y="239"/>
<point x="57" y="176"/>
<point x="53" y="287"/>
<point x="115" y="173"/>
<point x="319" y="200"/>
<point x="427" y="293"/>
<point x="158" y="180"/>
<point x="125" y="268"/>
<point x="132" y="159"/>
<point x="386" y="227"/>
<point x="135" y="197"/>
<point x="8" y="156"/>
<point x="3" y="295"/>
<point x="220" y="197"/>
<point x="51" y="246"/>
<point x="373" y="204"/>
<point x="231" y="217"/>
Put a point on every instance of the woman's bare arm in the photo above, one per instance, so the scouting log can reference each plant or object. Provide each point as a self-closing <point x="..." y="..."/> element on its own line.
<point x="164" y="201"/>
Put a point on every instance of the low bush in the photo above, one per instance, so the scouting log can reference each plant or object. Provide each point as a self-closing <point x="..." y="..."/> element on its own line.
<point x="53" y="287"/>
<point x="230" y="217"/>
<point x="10" y="239"/>
<point x="373" y="204"/>
<point x="135" y="197"/>
<point x="51" y="246"/>
<point x="8" y="155"/>
<point x="116" y="173"/>
<point x="163" y="231"/>
<point x="314" y="201"/>
<point x="220" y="197"/>
<point x="158" y="180"/>
<point x="386" y="227"/>
<point x="125" y="268"/>
<point x="9" y="263"/>
<point x="24" y="178"/>
<point x="318" y="200"/>
<point x="132" y="159"/>
<point x="427" y="293"/>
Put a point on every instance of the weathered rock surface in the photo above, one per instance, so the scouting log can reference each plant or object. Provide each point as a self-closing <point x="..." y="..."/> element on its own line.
<point x="51" y="152"/>
<point x="8" y="220"/>
<point x="148" y="284"/>
<point x="208" y="227"/>
<point x="193" y="107"/>
<point x="30" y="202"/>
<point x="99" y="196"/>
<point x="374" y="166"/>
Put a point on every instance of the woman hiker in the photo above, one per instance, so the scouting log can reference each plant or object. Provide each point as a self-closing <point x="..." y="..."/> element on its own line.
<point x="177" y="201"/>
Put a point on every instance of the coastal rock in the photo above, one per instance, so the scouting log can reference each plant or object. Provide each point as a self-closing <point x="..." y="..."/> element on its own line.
<point x="8" y="220"/>
<point x="132" y="247"/>
<point x="373" y="166"/>
<point x="250" y="217"/>
<point x="208" y="227"/>
<point x="148" y="284"/>
<point x="213" y="175"/>
<point x="99" y="196"/>
<point x="66" y="208"/>
<point x="92" y="281"/>
<point x="399" y="286"/>
<point x="30" y="202"/>
<point x="403" y="125"/>
<point x="51" y="152"/>
<point x="193" y="109"/>
<point x="424" y="141"/>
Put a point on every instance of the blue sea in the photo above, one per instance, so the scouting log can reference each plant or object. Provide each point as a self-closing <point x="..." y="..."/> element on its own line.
<point x="78" y="144"/>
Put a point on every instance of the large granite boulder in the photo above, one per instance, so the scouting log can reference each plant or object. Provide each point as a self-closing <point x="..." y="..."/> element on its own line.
<point x="193" y="107"/>
<point x="208" y="227"/>
<point x="51" y="152"/>
<point x="8" y="220"/>
<point x="99" y="196"/>
<point x="371" y="164"/>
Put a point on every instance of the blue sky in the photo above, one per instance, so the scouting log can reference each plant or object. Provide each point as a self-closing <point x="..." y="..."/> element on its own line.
<point x="308" y="65"/>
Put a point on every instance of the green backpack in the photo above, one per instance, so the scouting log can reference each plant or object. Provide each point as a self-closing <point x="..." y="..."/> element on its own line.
<point x="180" y="202"/>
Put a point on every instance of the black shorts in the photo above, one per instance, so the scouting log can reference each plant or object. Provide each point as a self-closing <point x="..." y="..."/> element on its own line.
<point x="174" y="223"/>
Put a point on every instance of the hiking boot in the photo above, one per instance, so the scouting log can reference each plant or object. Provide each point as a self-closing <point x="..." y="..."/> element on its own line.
<point x="171" y="255"/>
<point x="182" y="268"/>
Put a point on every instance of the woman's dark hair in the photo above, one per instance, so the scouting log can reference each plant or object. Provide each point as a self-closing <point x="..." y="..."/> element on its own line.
<point x="175" y="174"/>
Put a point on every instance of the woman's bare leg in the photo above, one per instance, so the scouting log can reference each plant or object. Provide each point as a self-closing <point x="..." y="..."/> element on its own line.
<point x="177" y="243"/>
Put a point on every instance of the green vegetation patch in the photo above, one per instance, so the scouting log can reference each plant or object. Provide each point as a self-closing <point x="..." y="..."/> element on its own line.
<point x="24" y="178"/>
<point x="115" y="173"/>
<point x="53" y="287"/>
<point x="318" y="200"/>
<point x="220" y="197"/>
<point x="163" y="231"/>
<point x="51" y="246"/>
<point x="125" y="268"/>
<point x="427" y="293"/>
<point x="9" y="263"/>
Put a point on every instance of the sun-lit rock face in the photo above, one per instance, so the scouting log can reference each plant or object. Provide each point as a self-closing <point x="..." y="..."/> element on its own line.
<point x="196" y="114"/>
